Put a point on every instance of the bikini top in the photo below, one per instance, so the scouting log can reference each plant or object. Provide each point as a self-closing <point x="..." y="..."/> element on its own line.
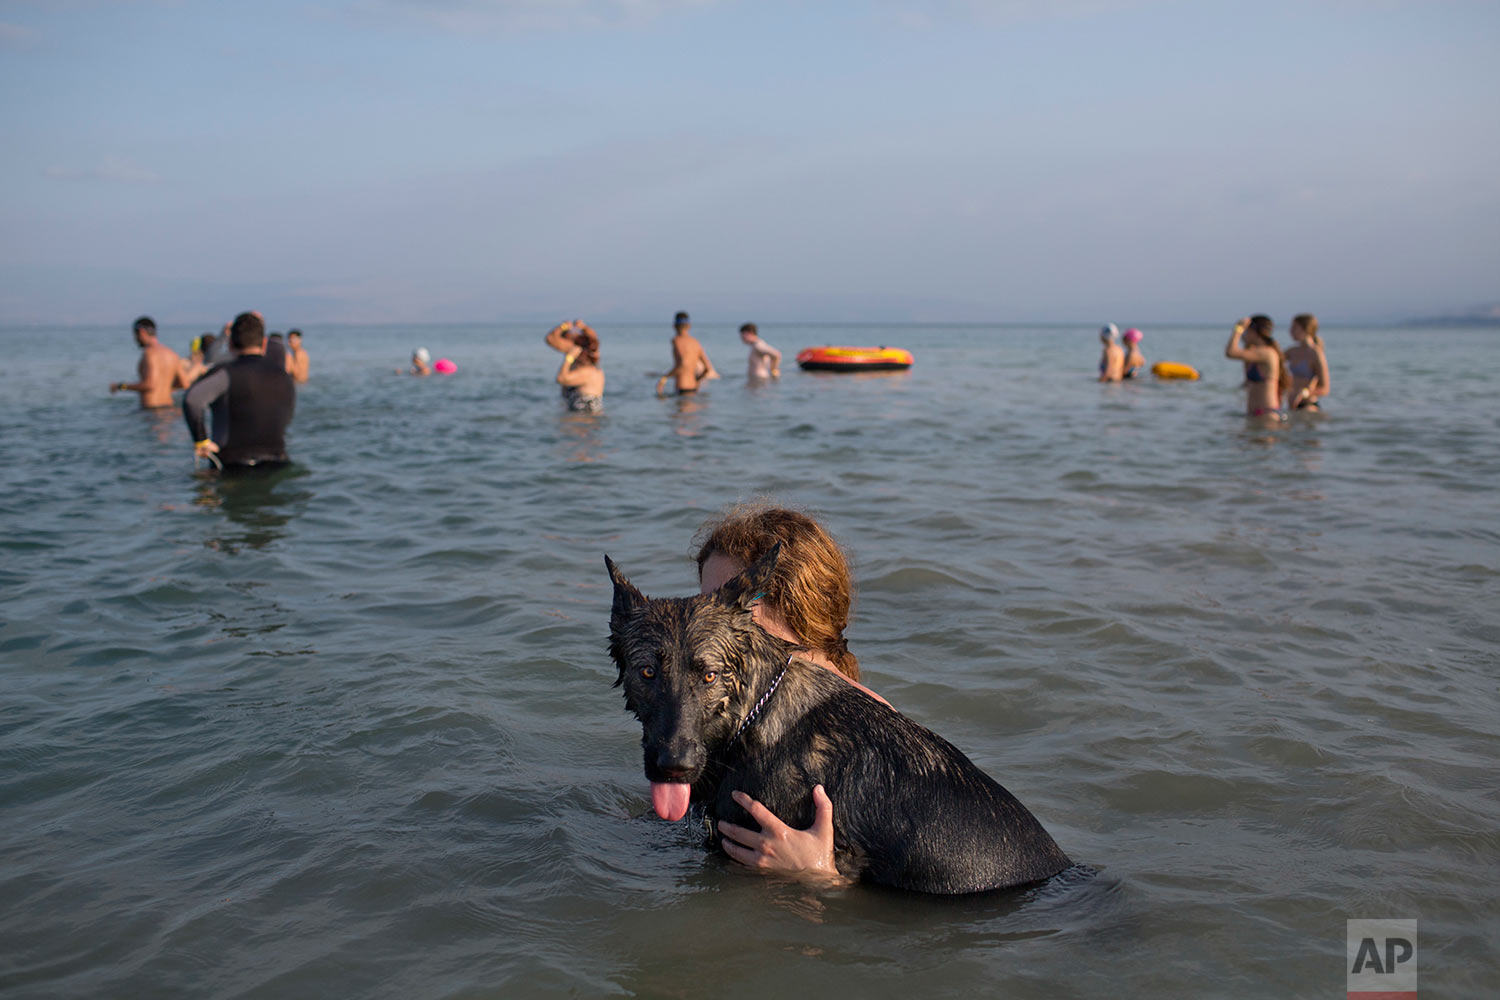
<point x="1252" y="372"/>
<point x="1300" y="368"/>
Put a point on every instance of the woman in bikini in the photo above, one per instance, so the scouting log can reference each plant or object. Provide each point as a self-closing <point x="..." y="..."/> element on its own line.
<point x="1265" y="368"/>
<point x="1306" y="365"/>
<point x="581" y="378"/>
<point x="807" y="602"/>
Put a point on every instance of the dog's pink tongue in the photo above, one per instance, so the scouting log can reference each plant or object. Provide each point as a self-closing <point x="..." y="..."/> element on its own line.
<point x="670" y="799"/>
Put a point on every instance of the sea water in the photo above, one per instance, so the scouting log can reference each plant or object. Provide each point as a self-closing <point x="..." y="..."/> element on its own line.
<point x="348" y="729"/>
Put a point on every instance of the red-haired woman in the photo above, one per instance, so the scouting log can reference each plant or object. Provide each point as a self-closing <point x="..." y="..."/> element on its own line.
<point x="580" y="376"/>
<point x="807" y="602"/>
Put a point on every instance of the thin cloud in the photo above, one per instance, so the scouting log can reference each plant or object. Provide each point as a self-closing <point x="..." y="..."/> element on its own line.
<point x="114" y="169"/>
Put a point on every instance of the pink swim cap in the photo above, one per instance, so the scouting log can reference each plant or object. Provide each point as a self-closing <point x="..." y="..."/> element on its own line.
<point x="444" y="367"/>
<point x="1132" y="336"/>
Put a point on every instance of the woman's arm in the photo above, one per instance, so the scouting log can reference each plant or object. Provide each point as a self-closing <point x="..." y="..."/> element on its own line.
<point x="556" y="340"/>
<point x="780" y="848"/>
<point x="1234" y="349"/>
<point x="567" y="374"/>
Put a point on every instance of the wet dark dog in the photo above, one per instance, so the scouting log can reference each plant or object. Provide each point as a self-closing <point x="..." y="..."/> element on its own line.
<point x="725" y="706"/>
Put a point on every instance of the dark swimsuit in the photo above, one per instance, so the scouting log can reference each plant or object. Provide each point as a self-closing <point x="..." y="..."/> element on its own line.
<point x="580" y="402"/>
<point x="251" y="401"/>
<point x="1252" y="374"/>
<point x="1303" y="369"/>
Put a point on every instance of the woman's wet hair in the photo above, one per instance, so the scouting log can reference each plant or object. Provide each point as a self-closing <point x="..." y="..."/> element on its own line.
<point x="1308" y="322"/>
<point x="1262" y="326"/>
<point x="811" y="590"/>
<point x="587" y="343"/>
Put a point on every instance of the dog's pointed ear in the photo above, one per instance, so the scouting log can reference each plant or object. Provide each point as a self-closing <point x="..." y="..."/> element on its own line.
<point x="627" y="598"/>
<point x="750" y="586"/>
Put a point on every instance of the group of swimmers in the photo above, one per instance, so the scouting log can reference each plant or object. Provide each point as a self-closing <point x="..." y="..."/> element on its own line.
<point x="162" y="370"/>
<point x="581" y="379"/>
<point x="1276" y="381"/>
<point x="241" y="388"/>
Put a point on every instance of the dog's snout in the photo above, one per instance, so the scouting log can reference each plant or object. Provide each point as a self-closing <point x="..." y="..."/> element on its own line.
<point x="679" y="760"/>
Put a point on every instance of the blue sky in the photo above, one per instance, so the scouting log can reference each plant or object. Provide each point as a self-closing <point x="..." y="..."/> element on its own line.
<point x="453" y="160"/>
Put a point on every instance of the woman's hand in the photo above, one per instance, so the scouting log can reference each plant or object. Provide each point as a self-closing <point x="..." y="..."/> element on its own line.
<point x="778" y="847"/>
<point x="1233" y="349"/>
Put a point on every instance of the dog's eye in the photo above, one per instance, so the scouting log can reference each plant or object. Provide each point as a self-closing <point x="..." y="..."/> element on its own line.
<point x="648" y="672"/>
<point x="709" y="676"/>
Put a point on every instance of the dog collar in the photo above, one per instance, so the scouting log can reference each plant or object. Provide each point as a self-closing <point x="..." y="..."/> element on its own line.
<point x="762" y="703"/>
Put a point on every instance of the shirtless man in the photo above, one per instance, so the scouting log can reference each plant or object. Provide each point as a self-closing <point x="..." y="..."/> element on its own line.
<point x="161" y="370"/>
<point x="296" y="358"/>
<point x="765" y="360"/>
<point x="689" y="364"/>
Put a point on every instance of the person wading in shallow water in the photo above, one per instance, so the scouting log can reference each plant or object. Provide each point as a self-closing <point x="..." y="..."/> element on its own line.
<point x="161" y="369"/>
<point x="765" y="360"/>
<point x="581" y="378"/>
<point x="1112" y="360"/>
<point x="1265" y="368"/>
<point x="297" y="361"/>
<point x="1307" y="365"/>
<point x="690" y="365"/>
<point x="250" y="398"/>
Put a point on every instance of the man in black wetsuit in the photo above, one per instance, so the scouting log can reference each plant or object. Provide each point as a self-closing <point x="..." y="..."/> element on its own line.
<point x="251" y="399"/>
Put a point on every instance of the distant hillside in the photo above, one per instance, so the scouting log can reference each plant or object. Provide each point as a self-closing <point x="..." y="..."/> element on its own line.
<point x="1477" y="316"/>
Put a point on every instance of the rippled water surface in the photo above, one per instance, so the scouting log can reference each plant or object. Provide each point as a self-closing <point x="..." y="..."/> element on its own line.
<point x="348" y="730"/>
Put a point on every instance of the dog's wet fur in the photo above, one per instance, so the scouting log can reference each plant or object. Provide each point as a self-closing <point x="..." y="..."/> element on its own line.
<point x="910" y="810"/>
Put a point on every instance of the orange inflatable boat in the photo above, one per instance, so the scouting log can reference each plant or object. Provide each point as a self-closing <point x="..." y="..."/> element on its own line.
<point x="854" y="359"/>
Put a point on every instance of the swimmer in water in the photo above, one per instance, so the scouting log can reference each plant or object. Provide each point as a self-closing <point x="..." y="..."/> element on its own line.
<point x="250" y="401"/>
<point x="1112" y="361"/>
<point x="1265" y="368"/>
<point x="421" y="363"/>
<point x="1135" y="361"/>
<point x="690" y="365"/>
<point x="197" y="363"/>
<point x="160" y="371"/>
<point x="765" y="360"/>
<point x="1307" y="366"/>
<point x="276" y="352"/>
<point x="581" y="378"/>
<point x="297" y="361"/>
<point x="807" y="602"/>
